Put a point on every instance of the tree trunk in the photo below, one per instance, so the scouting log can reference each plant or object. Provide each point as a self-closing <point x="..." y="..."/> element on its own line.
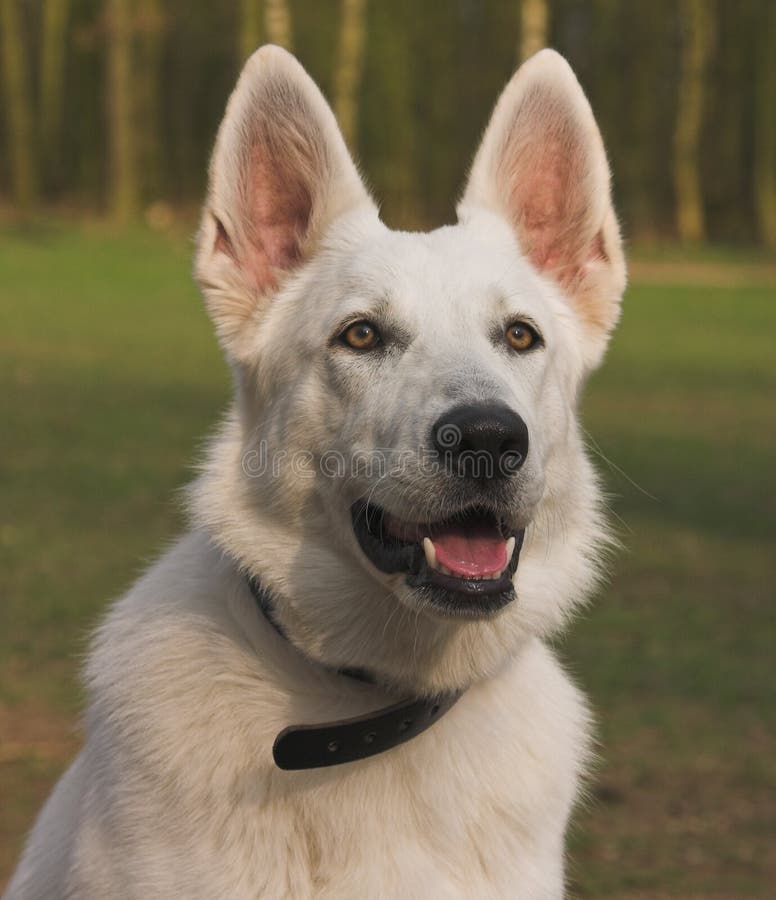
<point x="25" y="185"/>
<point x="394" y="162"/>
<point x="148" y="78"/>
<point x="124" y="200"/>
<point x="347" y="78"/>
<point x="765" y="127"/>
<point x="534" y="17"/>
<point x="249" y="34"/>
<point x="698" y="21"/>
<point x="640" y="32"/>
<point x="54" y="17"/>
<point x="277" y="23"/>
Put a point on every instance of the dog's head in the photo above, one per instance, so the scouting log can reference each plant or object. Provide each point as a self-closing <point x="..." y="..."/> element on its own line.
<point x="403" y="467"/>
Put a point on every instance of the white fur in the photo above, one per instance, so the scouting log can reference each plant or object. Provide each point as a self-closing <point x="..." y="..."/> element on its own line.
<point x="175" y="793"/>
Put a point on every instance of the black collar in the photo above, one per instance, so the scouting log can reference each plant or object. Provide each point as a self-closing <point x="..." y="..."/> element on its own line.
<point x="332" y="743"/>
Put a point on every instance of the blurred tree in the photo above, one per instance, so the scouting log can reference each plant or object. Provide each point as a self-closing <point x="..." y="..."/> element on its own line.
<point x="439" y="104"/>
<point x="151" y="27"/>
<point x="727" y="141"/>
<point x="389" y="127"/>
<point x="113" y="103"/>
<point x="185" y="67"/>
<point x="765" y="126"/>
<point x="600" y="68"/>
<point x="84" y="134"/>
<point x="639" y="130"/>
<point x="350" y="63"/>
<point x="124" y="194"/>
<point x="54" y="19"/>
<point x="249" y="29"/>
<point x="277" y="23"/>
<point x="534" y="16"/>
<point x="697" y="45"/>
<point x="25" y="185"/>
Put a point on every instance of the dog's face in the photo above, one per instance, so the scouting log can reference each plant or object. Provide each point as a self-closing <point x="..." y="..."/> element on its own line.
<point x="405" y="437"/>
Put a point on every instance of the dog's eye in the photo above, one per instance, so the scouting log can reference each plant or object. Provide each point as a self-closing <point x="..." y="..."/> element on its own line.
<point x="361" y="336"/>
<point x="520" y="336"/>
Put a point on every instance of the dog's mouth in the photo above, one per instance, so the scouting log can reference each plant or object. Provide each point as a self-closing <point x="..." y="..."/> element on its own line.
<point x="460" y="566"/>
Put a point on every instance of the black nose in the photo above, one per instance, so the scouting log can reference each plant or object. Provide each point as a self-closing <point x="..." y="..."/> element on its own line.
<point x="487" y="440"/>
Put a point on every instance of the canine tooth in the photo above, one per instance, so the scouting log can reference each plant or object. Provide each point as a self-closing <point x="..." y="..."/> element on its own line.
<point x="430" y="550"/>
<point x="510" y="551"/>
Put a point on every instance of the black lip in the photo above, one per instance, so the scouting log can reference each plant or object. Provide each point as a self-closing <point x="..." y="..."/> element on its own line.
<point x="446" y="594"/>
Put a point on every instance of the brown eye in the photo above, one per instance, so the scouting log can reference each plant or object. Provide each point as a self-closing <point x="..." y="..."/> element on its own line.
<point x="361" y="336"/>
<point x="521" y="336"/>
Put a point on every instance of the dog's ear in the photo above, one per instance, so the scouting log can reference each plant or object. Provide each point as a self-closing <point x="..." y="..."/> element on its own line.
<point x="279" y="175"/>
<point x="542" y="167"/>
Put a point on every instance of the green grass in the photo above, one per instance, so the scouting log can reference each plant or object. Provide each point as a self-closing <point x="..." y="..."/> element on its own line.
<point x="678" y="651"/>
<point x="112" y="378"/>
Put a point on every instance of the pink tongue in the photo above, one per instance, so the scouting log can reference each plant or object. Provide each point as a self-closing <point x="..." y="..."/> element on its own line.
<point x="473" y="551"/>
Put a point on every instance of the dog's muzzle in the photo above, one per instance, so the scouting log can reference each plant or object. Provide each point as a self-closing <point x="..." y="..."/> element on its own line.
<point x="462" y="566"/>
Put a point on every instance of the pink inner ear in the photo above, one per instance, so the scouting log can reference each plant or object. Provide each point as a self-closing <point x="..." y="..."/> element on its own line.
<point x="275" y="214"/>
<point x="548" y="201"/>
<point x="537" y="199"/>
<point x="279" y="212"/>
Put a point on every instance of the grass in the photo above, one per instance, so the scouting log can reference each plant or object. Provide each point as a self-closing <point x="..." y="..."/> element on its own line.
<point x="111" y="380"/>
<point x="678" y="652"/>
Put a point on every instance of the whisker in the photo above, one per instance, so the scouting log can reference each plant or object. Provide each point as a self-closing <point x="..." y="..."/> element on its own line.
<point x="595" y="448"/>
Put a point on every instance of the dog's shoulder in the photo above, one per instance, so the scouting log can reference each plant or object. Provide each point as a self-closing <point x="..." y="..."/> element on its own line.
<point x="186" y="674"/>
<point x="171" y="622"/>
<point x="174" y="674"/>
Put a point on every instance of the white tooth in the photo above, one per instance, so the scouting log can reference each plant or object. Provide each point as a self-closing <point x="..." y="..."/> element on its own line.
<point x="443" y="569"/>
<point x="430" y="550"/>
<point x="510" y="551"/>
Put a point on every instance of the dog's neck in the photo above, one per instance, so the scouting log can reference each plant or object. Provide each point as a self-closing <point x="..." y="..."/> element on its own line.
<point x="266" y="605"/>
<point x="348" y="740"/>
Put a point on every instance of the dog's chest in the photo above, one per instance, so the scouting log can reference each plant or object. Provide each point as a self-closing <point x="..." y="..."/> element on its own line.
<point x="474" y="807"/>
<point x="395" y="830"/>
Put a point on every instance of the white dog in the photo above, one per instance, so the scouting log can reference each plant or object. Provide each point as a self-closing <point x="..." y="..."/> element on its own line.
<point x="397" y="513"/>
